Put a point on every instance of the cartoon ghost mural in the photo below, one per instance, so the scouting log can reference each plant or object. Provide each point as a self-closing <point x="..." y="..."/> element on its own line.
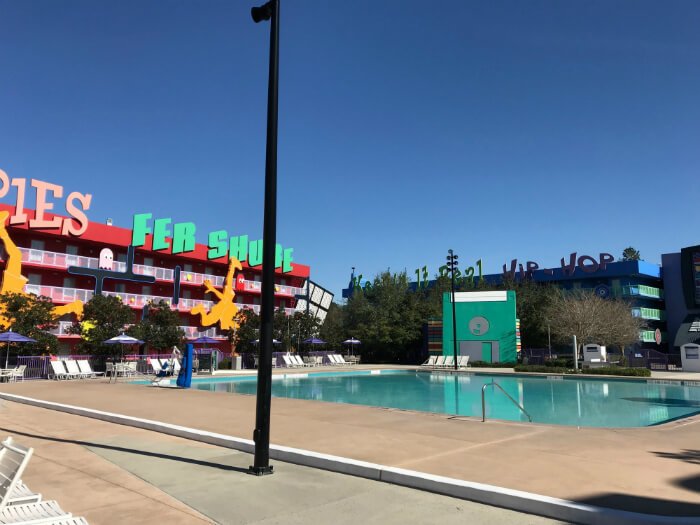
<point x="106" y="259"/>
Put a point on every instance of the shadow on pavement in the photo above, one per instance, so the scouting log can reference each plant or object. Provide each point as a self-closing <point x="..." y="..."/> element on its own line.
<point x="127" y="450"/>
<point x="644" y="505"/>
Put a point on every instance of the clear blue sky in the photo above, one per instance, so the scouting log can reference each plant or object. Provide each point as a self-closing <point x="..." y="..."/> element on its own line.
<point x="500" y="129"/>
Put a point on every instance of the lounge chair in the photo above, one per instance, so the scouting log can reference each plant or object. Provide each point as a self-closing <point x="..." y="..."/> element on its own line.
<point x="43" y="512"/>
<point x="74" y="370"/>
<point x="300" y="361"/>
<point x="85" y="368"/>
<point x="463" y="361"/>
<point x="449" y="361"/>
<point x="440" y="361"/>
<point x="430" y="361"/>
<point x="319" y="360"/>
<point x="339" y="359"/>
<point x="155" y="365"/>
<point x="59" y="371"/>
<point x="13" y="460"/>
<point x="288" y="361"/>
<point x="18" y="373"/>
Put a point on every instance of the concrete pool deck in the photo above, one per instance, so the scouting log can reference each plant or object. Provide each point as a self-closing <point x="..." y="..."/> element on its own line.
<point x="652" y="470"/>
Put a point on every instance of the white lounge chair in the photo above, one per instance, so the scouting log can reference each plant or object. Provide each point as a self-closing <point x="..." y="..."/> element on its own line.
<point x="340" y="360"/>
<point x="449" y="362"/>
<point x="430" y="361"/>
<point x="18" y="373"/>
<point x="74" y="370"/>
<point x="59" y="371"/>
<point x="301" y="362"/>
<point x="13" y="460"/>
<point x="319" y="360"/>
<point x="463" y="361"/>
<point x="440" y="361"/>
<point x="41" y="512"/>
<point x="85" y="368"/>
<point x="155" y="365"/>
<point x="288" y="361"/>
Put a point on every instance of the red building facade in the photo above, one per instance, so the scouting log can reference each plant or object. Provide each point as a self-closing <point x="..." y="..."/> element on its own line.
<point x="48" y="253"/>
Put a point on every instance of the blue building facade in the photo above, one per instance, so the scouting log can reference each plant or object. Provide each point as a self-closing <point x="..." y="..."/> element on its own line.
<point x="638" y="282"/>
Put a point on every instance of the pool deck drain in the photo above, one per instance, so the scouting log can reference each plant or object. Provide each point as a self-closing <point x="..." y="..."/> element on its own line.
<point x="651" y="470"/>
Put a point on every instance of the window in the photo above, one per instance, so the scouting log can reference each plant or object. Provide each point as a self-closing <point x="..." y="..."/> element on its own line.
<point x="69" y="282"/>
<point x="120" y="288"/>
<point x="208" y="270"/>
<point x="147" y="290"/>
<point x="148" y="261"/>
<point x="187" y="294"/>
<point x="121" y="257"/>
<point x="37" y="244"/>
<point x="187" y="267"/>
<point x="71" y="249"/>
<point x="34" y="278"/>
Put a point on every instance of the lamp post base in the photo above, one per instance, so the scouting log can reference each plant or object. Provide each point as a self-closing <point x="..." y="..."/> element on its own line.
<point x="260" y="471"/>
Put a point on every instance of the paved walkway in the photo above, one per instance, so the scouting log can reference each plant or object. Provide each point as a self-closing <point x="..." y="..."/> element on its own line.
<point x="652" y="470"/>
<point x="115" y="474"/>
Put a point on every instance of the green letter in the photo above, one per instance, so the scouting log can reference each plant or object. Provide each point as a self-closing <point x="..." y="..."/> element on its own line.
<point x="140" y="229"/>
<point x="183" y="237"/>
<point x="278" y="255"/>
<point x="238" y="248"/>
<point x="256" y="253"/>
<point x="217" y="244"/>
<point x="160" y="234"/>
<point x="287" y="260"/>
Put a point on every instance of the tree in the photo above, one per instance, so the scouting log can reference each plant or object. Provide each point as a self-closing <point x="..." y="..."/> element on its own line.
<point x="333" y="330"/>
<point x="592" y="319"/>
<point x="33" y="317"/>
<point x="532" y="301"/>
<point x="248" y="331"/>
<point x="104" y="317"/>
<point x="630" y="254"/>
<point x="160" y="329"/>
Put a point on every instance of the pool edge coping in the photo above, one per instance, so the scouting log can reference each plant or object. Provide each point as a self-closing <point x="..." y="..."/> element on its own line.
<point x="512" y="499"/>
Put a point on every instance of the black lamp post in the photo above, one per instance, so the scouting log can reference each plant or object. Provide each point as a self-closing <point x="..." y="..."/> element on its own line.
<point x="451" y="267"/>
<point x="261" y="434"/>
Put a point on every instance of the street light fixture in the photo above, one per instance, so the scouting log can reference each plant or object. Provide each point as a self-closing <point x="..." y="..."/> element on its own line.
<point x="261" y="434"/>
<point x="452" y="267"/>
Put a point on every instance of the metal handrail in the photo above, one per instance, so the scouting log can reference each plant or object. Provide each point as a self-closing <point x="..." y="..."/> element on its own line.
<point x="483" y="401"/>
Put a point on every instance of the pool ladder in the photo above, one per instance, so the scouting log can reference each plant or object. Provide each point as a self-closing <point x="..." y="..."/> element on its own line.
<point x="483" y="401"/>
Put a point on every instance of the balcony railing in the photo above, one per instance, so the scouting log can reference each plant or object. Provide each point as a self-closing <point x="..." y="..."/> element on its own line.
<point x="62" y="295"/>
<point x="62" y="260"/>
<point x="649" y="336"/>
<point x="653" y="314"/>
<point x="642" y="290"/>
<point x="191" y="332"/>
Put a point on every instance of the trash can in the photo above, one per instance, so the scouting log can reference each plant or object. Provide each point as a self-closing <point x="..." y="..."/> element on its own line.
<point x="237" y="363"/>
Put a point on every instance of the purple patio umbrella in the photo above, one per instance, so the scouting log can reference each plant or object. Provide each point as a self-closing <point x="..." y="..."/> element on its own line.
<point x="13" y="337"/>
<point x="205" y="340"/>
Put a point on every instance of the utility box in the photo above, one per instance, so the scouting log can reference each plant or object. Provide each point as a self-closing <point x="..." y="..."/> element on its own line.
<point x="593" y="353"/>
<point x="237" y="363"/>
<point x="690" y="357"/>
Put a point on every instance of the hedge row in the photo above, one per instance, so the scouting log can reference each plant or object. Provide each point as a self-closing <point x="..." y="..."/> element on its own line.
<point x="608" y="371"/>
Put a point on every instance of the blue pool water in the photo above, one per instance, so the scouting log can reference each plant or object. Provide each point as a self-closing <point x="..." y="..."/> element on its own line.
<point x="578" y="402"/>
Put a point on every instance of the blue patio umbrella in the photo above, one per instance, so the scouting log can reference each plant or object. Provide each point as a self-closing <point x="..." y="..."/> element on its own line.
<point x="205" y="340"/>
<point x="314" y="341"/>
<point x="13" y="337"/>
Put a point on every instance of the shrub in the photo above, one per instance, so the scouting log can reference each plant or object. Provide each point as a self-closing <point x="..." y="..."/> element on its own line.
<point x="560" y="362"/>
<point x="541" y="368"/>
<point x="614" y="371"/>
<point x="484" y="364"/>
<point x="225" y="364"/>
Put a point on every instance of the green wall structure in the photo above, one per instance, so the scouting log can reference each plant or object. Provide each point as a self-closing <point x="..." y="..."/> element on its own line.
<point x="486" y="325"/>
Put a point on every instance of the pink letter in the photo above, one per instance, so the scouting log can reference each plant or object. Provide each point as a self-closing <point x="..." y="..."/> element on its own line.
<point x="42" y="205"/>
<point x="605" y="258"/>
<point x="590" y="268"/>
<point x="19" y="217"/>
<point x="5" y="180"/>
<point x="511" y="273"/>
<point x="570" y="268"/>
<point x="77" y="214"/>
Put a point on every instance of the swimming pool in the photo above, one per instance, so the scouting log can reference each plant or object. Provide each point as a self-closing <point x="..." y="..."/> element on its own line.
<point x="594" y="402"/>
